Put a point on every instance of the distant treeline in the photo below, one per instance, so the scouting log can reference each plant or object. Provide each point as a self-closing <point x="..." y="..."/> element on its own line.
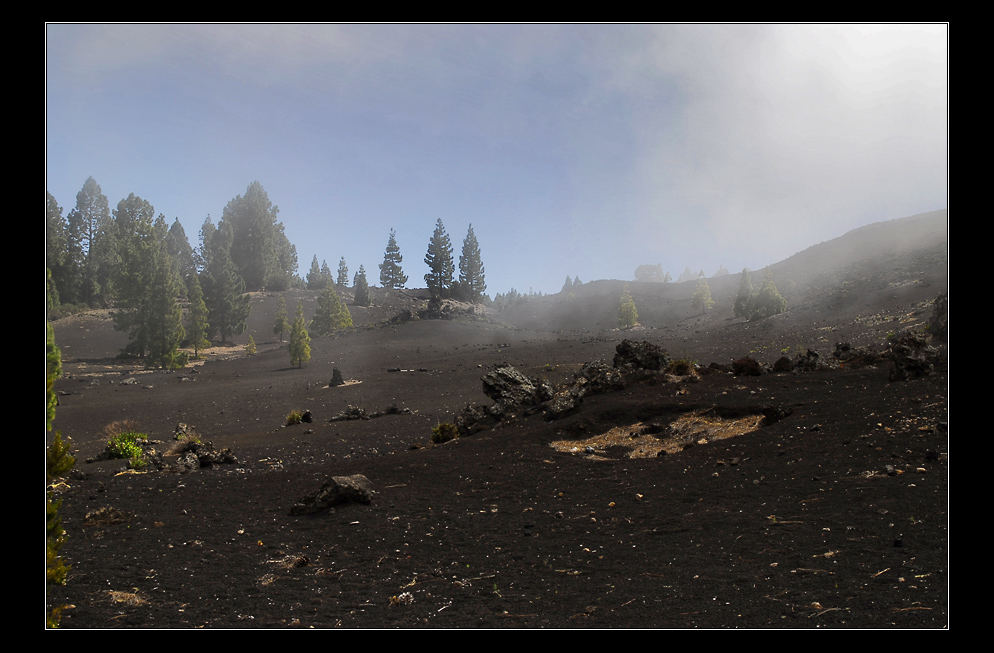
<point x="133" y="261"/>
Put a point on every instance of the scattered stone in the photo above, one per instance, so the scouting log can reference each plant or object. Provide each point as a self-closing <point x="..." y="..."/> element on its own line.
<point x="938" y="324"/>
<point x="854" y="357"/>
<point x="912" y="356"/>
<point x="509" y="387"/>
<point x="783" y="364"/>
<point x="195" y="455"/>
<point x="336" y="491"/>
<point x="639" y="355"/>
<point x="807" y="362"/>
<point x="746" y="367"/>
<point x="350" y="412"/>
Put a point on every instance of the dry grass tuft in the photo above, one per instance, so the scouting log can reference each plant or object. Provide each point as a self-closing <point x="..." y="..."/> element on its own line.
<point x="126" y="598"/>
<point x="689" y="429"/>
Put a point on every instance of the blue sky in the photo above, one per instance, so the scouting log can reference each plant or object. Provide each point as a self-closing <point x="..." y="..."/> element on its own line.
<point x="572" y="149"/>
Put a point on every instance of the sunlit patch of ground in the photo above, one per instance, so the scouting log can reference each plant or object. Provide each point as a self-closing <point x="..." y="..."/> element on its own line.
<point x="692" y="428"/>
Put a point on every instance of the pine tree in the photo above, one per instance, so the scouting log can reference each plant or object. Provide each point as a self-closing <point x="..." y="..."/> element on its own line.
<point x="472" y="276"/>
<point x="178" y="247"/>
<point x="53" y="370"/>
<point x="439" y="261"/>
<point x="743" y="300"/>
<point x="567" y="285"/>
<point x="259" y="249"/>
<point x="166" y="330"/>
<point x="326" y="278"/>
<point x="56" y="250"/>
<point x="281" y="325"/>
<point x="702" y="296"/>
<point x="224" y="291"/>
<point x="391" y="274"/>
<point x="199" y="326"/>
<point x="627" y="314"/>
<point x="300" y="340"/>
<point x="201" y="255"/>
<point x="343" y="273"/>
<point x="332" y="314"/>
<point x="314" y="279"/>
<point x="147" y="284"/>
<point x="89" y="245"/>
<point x="361" y="287"/>
<point x="768" y="301"/>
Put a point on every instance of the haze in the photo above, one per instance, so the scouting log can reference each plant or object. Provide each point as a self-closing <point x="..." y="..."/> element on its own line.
<point x="573" y="149"/>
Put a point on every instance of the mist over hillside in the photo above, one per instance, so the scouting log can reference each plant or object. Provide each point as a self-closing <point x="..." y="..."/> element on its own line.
<point x="879" y="265"/>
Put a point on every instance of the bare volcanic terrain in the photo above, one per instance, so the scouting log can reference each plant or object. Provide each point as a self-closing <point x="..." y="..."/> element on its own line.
<point x="793" y="475"/>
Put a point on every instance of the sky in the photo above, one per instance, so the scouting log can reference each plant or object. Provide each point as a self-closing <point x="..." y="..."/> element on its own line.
<point x="573" y="149"/>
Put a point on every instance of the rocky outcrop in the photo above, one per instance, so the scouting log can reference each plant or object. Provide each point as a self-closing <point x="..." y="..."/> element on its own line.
<point x="938" y="323"/>
<point x="746" y="366"/>
<point x="336" y="491"/>
<point x="510" y="388"/>
<point x="639" y="355"/>
<point x="912" y="355"/>
<point x="196" y="455"/>
<point x="849" y="356"/>
<point x="807" y="362"/>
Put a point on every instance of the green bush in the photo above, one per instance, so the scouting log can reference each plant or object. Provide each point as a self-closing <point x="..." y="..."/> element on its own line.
<point x="58" y="460"/>
<point x="293" y="417"/>
<point x="56" y="569"/>
<point x="128" y="445"/>
<point x="627" y="313"/>
<point x="444" y="433"/>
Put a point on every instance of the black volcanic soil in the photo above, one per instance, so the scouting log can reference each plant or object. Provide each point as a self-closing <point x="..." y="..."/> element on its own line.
<point x="835" y="515"/>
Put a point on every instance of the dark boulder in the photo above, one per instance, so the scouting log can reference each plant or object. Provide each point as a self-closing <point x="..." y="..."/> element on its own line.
<point x="336" y="491"/>
<point x="639" y="355"/>
<point x="509" y="388"/>
<point x="912" y="355"/>
<point x="746" y="367"/>
<point x="195" y="455"/>
<point x="783" y="364"/>
<point x="808" y="361"/>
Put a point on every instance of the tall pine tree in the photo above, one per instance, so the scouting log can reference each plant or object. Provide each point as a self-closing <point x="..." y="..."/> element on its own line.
<point x="343" y="273"/>
<point x="281" y="326"/>
<point x="743" y="300"/>
<point x="199" y="326"/>
<point x="224" y="291"/>
<point x="472" y="276"/>
<point x="438" y="258"/>
<point x="259" y="249"/>
<point x="391" y="274"/>
<point x="361" y="287"/>
<point x="314" y="279"/>
<point x="332" y="314"/>
<point x="89" y="245"/>
<point x="300" y="340"/>
<point x="148" y="286"/>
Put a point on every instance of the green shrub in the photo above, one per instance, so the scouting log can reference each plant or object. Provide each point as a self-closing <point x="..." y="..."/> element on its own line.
<point x="58" y="460"/>
<point x="627" y="313"/>
<point x="56" y="568"/>
<point x="444" y="433"/>
<point x="128" y="445"/>
<point x="293" y="417"/>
